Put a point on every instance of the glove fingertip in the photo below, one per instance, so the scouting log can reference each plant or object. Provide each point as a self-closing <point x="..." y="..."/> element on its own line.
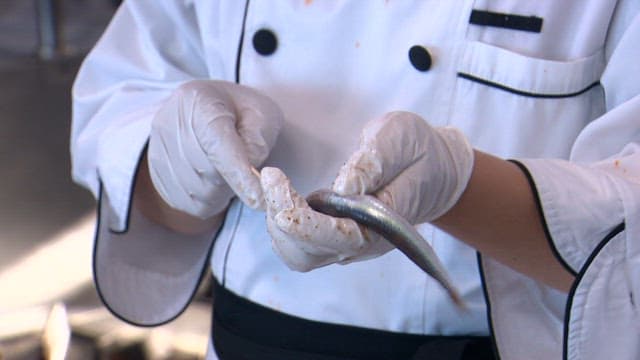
<point x="348" y="182"/>
<point x="254" y="200"/>
<point x="271" y="176"/>
<point x="357" y="176"/>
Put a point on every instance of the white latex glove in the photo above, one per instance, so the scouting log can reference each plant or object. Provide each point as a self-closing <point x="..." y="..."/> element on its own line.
<point x="205" y="143"/>
<point x="305" y="239"/>
<point x="418" y="170"/>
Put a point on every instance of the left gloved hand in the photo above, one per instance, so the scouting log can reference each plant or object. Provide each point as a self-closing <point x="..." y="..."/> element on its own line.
<point x="418" y="170"/>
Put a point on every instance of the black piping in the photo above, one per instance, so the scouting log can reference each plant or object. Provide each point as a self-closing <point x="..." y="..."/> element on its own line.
<point x="534" y="191"/>
<point x="487" y="301"/>
<point x="239" y="55"/>
<point x="228" y="249"/>
<point x="567" y="312"/>
<point x="238" y="61"/>
<point x="525" y="93"/>
<point x="134" y="181"/>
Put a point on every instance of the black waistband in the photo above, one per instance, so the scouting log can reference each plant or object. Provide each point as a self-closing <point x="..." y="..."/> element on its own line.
<point x="243" y="330"/>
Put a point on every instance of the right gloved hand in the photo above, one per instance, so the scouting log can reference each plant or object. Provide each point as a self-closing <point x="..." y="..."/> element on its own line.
<point x="205" y="143"/>
<point x="418" y="170"/>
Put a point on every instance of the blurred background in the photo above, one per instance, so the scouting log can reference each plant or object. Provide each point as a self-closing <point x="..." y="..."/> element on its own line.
<point x="48" y="305"/>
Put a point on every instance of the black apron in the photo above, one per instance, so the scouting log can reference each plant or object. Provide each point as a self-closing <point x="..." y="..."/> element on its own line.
<point x="243" y="330"/>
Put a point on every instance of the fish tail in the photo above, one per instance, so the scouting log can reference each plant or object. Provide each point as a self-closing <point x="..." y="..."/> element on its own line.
<point x="453" y="293"/>
<point x="457" y="299"/>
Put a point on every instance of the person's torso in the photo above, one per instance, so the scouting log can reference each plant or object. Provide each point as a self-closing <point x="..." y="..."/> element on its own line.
<point x="519" y="78"/>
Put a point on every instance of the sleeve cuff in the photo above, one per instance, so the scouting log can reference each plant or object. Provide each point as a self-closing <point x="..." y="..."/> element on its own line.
<point x="579" y="205"/>
<point x="147" y="275"/>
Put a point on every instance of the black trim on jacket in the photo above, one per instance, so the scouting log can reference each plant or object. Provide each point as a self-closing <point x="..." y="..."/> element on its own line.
<point x="567" y="313"/>
<point x="525" y="93"/>
<point x="238" y="63"/>
<point x="241" y="41"/>
<point x="547" y="233"/>
<point x="487" y="301"/>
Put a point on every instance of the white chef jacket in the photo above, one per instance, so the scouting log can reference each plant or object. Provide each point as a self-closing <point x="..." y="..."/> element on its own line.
<point x="543" y="79"/>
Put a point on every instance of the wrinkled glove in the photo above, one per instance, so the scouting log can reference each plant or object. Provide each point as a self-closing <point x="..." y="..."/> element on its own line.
<point x="418" y="170"/>
<point x="205" y="143"/>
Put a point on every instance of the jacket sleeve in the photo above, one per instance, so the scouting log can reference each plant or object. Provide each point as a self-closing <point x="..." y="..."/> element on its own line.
<point x="144" y="274"/>
<point x="583" y="199"/>
<point x="148" y="49"/>
<point x="590" y="207"/>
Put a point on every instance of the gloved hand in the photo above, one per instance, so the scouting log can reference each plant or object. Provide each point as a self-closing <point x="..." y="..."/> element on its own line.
<point x="205" y="143"/>
<point x="418" y="170"/>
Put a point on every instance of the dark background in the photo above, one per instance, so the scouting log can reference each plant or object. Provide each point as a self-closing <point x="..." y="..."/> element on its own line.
<point x="46" y="221"/>
<point x="37" y="196"/>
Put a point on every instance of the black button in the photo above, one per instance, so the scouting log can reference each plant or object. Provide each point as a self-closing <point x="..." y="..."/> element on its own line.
<point x="420" y="58"/>
<point x="265" y="42"/>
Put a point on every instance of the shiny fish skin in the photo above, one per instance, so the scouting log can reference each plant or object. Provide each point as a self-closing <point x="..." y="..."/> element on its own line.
<point x="368" y="211"/>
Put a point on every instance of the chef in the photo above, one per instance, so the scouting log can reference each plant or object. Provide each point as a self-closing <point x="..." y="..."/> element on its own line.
<point x="180" y="101"/>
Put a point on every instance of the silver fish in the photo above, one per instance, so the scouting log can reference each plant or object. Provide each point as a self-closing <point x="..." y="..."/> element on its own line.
<point x="370" y="212"/>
